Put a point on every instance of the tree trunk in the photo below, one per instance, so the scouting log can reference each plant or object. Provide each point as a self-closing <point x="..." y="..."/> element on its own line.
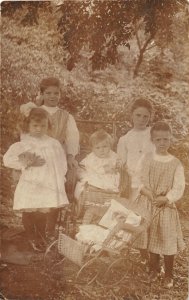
<point x="141" y="55"/>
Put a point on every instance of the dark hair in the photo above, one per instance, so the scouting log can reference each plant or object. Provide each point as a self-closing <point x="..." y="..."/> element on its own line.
<point x="36" y="114"/>
<point x="160" y="126"/>
<point x="100" y="136"/>
<point x="142" y="103"/>
<point x="49" y="81"/>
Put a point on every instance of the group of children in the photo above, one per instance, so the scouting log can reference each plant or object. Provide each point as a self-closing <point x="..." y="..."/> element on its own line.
<point x="50" y="141"/>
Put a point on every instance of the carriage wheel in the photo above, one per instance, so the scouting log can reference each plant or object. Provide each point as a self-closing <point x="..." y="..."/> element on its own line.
<point x="90" y="271"/>
<point x="51" y="257"/>
<point x="118" y="270"/>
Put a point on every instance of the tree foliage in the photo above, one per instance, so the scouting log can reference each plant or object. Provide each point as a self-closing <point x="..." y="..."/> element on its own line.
<point x="32" y="50"/>
<point x="102" y="25"/>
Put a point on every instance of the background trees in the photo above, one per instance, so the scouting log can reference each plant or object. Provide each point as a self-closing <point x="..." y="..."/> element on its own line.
<point x="106" y="54"/>
<point x="104" y="25"/>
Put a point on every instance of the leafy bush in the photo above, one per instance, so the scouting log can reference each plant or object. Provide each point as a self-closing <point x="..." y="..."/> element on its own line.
<point x="30" y="53"/>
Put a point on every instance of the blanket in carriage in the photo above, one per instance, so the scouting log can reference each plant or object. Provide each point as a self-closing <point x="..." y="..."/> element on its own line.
<point x="93" y="196"/>
<point x="96" y="234"/>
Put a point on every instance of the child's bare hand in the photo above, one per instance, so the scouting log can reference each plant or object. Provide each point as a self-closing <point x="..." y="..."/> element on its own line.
<point x="26" y="157"/>
<point x="161" y="201"/>
<point x="78" y="208"/>
<point x="146" y="192"/>
<point x="138" y="230"/>
<point x="31" y="159"/>
<point x="72" y="162"/>
<point x="38" y="162"/>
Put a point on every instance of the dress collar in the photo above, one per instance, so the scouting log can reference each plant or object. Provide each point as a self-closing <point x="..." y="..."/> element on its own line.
<point x="49" y="109"/>
<point x="163" y="158"/>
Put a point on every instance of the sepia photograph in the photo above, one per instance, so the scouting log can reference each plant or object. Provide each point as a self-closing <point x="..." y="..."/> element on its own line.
<point x="94" y="198"/>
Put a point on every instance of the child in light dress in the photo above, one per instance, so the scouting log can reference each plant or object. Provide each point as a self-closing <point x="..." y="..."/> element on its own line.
<point x="132" y="149"/>
<point x="63" y="128"/>
<point x="99" y="174"/>
<point x="133" y="146"/>
<point x="163" y="185"/>
<point x="42" y="161"/>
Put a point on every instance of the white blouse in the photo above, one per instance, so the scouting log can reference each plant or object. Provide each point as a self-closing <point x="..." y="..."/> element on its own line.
<point x="94" y="171"/>
<point x="132" y="149"/>
<point x="42" y="186"/>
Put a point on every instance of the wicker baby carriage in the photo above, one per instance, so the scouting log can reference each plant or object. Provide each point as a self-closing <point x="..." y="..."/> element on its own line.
<point x="112" y="263"/>
<point x="99" y="198"/>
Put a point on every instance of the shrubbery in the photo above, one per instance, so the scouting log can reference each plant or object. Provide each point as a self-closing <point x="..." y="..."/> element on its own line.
<point x="30" y="53"/>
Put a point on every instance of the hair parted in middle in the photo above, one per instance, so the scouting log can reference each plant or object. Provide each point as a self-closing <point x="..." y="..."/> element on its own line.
<point x="36" y="114"/>
<point x="160" y="126"/>
<point x="49" y="81"/>
<point x="100" y="136"/>
<point x="142" y="103"/>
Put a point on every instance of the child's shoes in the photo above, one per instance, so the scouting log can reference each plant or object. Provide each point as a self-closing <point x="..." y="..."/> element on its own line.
<point x="154" y="276"/>
<point x="143" y="262"/>
<point x="145" y="265"/>
<point x="162" y="272"/>
<point x="2" y="267"/>
<point x="168" y="282"/>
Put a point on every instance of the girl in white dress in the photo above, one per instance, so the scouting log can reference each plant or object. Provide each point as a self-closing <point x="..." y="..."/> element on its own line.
<point x="64" y="129"/>
<point x="99" y="173"/>
<point x="43" y="164"/>
<point x="136" y="143"/>
<point x="132" y="149"/>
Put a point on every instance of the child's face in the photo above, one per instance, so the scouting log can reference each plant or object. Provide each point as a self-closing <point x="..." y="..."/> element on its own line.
<point x="51" y="96"/>
<point x="140" y="117"/>
<point x="162" y="141"/>
<point x="101" y="149"/>
<point x="38" y="129"/>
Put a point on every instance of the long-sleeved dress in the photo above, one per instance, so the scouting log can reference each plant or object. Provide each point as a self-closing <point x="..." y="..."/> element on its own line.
<point x="132" y="149"/>
<point x="39" y="187"/>
<point x="164" y="176"/>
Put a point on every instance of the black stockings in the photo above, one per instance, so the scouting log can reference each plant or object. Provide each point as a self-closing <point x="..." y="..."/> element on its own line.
<point x="155" y="264"/>
<point x="34" y="224"/>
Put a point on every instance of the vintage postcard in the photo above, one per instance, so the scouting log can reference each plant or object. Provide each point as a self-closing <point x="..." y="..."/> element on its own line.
<point x="94" y="150"/>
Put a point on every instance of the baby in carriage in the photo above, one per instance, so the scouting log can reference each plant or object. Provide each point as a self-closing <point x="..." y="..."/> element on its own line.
<point x="99" y="177"/>
<point x="113" y="230"/>
<point x="106" y="220"/>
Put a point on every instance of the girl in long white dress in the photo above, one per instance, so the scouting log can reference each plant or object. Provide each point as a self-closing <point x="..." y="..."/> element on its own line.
<point x="136" y="143"/>
<point x="132" y="149"/>
<point x="42" y="161"/>
<point x="64" y="129"/>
